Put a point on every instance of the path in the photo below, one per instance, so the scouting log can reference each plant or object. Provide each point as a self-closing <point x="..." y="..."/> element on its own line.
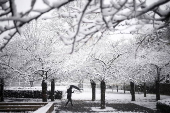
<point x="85" y="106"/>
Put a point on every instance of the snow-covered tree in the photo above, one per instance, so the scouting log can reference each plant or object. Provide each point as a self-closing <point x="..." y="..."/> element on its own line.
<point x="102" y="66"/>
<point x="154" y="55"/>
<point x="31" y="55"/>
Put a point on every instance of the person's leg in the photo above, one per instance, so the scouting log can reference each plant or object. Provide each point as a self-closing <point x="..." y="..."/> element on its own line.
<point x="71" y="102"/>
<point x="67" y="102"/>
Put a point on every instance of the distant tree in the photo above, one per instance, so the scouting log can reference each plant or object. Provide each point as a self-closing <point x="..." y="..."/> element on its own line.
<point x="31" y="56"/>
<point x="154" y="56"/>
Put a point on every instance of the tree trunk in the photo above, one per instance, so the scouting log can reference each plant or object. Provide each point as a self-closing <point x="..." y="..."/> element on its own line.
<point x="112" y="88"/>
<point x="93" y="85"/>
<point x="138" y="88"/>
<point x="103" y="89"/>
<point x="52" y="89"/>
<point x="124" y="88"/>
<point x="132" y="91"/>
<point x="31" y="83"/>
<point x="157" y="90"/>
<point x="44" y="91"/>
<point x="144" y="88"/>
<point x="117" y="87"/>
<point x="158" y="82"/>
<point x="1" y="89"/>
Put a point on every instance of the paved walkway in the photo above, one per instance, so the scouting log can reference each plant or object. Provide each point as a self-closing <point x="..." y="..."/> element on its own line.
<point x="90" y="106"/>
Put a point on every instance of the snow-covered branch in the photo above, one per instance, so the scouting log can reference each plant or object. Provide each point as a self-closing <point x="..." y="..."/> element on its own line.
<point x="96" y="16"/>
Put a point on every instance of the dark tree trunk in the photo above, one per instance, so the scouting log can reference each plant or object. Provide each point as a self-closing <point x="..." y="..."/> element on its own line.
<point x="112" y="88"/>
<point x="103" y="89"/>
<point x="124" y="88"/>
<point x="1" y="89"/>
<point x="157" y="82"/>
<point x="157" y="90"/>
<point x="44" y="91"/>
<point x="80" y="85"/>
<point x="52" y="89"/>
<point x="31" y="83"/>
<point x="138" y="88"/>
<point x="93" y="85"/>
<point x="117" y="87"/>
<point x="144" y="89"/>
<point x="132" y="91"/>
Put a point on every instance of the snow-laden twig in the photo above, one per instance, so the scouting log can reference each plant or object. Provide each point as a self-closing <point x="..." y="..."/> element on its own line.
<point x="79" y="24"/>
<point x="140" y="43"/>
<point x="151" y="7"/>
<point x="101" y="8"/>
<point x="14" y="14"/>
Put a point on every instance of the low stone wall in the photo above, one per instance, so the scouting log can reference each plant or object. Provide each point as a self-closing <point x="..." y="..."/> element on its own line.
<point x="46" y="109"/>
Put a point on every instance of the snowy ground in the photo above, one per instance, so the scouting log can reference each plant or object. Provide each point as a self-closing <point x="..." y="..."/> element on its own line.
<point x="114" y="97"/>
<point x="111" y="97"/>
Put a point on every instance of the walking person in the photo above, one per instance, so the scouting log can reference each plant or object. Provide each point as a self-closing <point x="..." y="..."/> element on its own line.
<point x="69" y="94"/>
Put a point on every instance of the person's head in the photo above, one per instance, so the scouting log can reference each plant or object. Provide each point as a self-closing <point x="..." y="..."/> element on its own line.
<point x="69" y="87"/>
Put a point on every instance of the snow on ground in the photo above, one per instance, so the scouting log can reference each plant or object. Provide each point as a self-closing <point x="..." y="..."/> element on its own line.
<point x="111" y="97"/>
<point x="102" y="110"/>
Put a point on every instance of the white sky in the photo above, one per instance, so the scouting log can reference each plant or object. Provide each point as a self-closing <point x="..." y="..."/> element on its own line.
<point x="24" y="5"/>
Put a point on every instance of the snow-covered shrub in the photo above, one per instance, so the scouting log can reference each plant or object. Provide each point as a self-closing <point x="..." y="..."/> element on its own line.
<point x="163" y="105"/>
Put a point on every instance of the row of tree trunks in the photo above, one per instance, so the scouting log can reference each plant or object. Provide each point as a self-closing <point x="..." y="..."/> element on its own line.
<point x="44" y="90"/>
<point x="103" y="90"/>
<point x="132" y="91"/>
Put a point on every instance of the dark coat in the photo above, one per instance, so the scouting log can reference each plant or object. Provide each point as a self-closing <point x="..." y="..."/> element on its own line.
<point x="69" y="93"/>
